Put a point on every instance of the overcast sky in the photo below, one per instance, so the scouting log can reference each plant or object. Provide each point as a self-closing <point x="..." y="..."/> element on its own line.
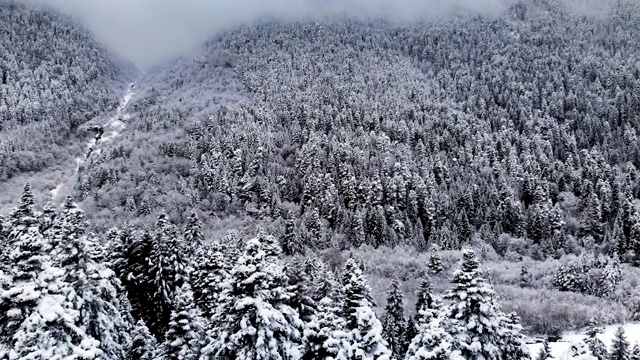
<point x="150" y="32"/>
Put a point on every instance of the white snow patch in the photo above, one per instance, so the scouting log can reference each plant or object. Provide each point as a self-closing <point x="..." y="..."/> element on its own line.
<point x="560" y="349"/>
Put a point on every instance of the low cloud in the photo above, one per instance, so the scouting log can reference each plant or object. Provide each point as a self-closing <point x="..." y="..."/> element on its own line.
<point x="150" y="32"/>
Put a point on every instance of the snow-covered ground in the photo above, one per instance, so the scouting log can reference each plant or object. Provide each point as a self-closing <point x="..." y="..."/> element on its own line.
<point x="111" y="129"/>
<point x="560" y="349"/>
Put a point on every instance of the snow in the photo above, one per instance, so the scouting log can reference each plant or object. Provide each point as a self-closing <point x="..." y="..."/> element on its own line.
<point x="112" y="129"/>
<point x="116" y="124"/>
<point x="560" y="349"/>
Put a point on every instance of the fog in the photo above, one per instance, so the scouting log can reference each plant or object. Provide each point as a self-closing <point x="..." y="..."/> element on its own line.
<point x="150" y="32"/>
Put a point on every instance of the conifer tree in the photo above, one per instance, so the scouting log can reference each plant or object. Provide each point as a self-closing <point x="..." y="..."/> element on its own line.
<point x="619" y="346"/>
<point x="432" y="342"/>
<point x="252" y="321"/>
<point x="183" y="337"/>
<point x="435" y="263"/>
<point x="525" y="278"/>
<point x="356" y="293"/>
<point x="597" y="347"/>
<point x="475" y="320"/>
<point x="193" y="236"/>
<point x="211" y="271"/>
<point x="635" y="352"/>
<point x="324" y="336"/>
<point x="143" y="344"/>
<point x="168" y="271"/>
<point x="579" y="350"/>
<point x="545" y="352"/>
<point x="427" y="304"/>
<point x="395" y="323"/>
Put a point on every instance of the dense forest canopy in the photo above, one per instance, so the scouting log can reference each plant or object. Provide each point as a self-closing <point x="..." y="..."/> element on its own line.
<point x="328" y="189"/>
<point x="53" y="78"/>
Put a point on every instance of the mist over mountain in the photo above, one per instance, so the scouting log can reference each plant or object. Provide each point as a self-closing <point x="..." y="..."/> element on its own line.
<point x="320" y="179"/>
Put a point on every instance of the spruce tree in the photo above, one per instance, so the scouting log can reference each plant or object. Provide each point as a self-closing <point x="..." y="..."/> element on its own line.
<point x="435" y="263"/>
<point x="545" y="352"/>
<point x="193" y="237"/>
<point x="183" y="337"/>
<point x="579" y="350"/>
<point x="356" y="293"/>
<point x="427" y="304"/>
<point x="395" y="323"/>
<point x="210" y="272"/>
<point x="324" y="336"/>
<point x="432" y="342"/>
<point x="143" y="344"/>
<point x="168" y="271"/>
<point x="619" y="346"/>
<point x="597" y="347"/>
<point x="252" y="320"/>
<point x="475" y="320"/>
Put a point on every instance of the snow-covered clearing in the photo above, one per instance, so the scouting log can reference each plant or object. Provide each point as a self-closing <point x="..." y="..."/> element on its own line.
<point x="560" y="349"/>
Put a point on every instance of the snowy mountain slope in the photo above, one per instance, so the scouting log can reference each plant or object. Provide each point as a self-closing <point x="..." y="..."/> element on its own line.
<point x="53" y="78"/>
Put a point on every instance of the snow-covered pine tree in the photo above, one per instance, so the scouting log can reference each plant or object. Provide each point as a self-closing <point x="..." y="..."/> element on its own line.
<point x="514" y="346"/>
<point x="211" y="271"/>
<point x="427" y="304"/>
<point x="395" y="323"/>
<point x="366" y="341"/>
<point x="193" y="237"/>
<point x="619" y="346"/>
<point x="356" y="293"/>
<point x="169" y="270"/>
<point x="252" y="322"/>
<point x="545" y="351"/>
<point x="432" y="342"/>
<point x="291" y="244"/>
<point x="184" y="334"/>
<point x="597" y="347"/>
<point x="474" y="318"/>
<point x="435" y="263"/>
<point x="364" y="329"/>
<point x="324" y="336"/>
<point x="143" y="344"/>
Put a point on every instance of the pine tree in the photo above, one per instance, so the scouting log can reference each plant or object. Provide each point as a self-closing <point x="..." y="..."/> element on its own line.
<point x="476" y="322"/>
<point x="525" y="278"/>
<point x="211" y="271"/>
<point x="168" y="271"/>
<point x="252" y="321"/>
<point x="291" y="244"/>
<point x="366" y="340"/>
<point x="427" y="304"/>
<point x="143" y="344"/>
<point x="514" y="342"/>
<point x="182" y="340"/>
<point x="597" y="347"/>
<point x="324" y="337"/>
<point x="395" y="323"/>
<point x="619" y="346"/>
<point x="193" y="237"/>
<point x="432" y="342"/>
<point x="435" y="263"/>
<point x="545" y="352"/>
<point x="356" y="293"/>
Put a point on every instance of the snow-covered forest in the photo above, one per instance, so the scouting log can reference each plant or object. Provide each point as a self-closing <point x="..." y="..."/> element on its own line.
<point x="327" y="188"/>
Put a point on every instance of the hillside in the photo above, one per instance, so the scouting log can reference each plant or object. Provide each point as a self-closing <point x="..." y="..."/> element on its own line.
<point x="331" y="188"/>
<point x="54" y="77"/>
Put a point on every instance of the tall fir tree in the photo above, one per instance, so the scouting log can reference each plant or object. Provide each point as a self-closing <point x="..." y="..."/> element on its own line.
<point x="252" y="321"/>
<point x="394" y="322"/>
<point x="184" y="334"/>
<point x="143" y="344"/>
<point x="474" y="317"/>
<point x="620" y="348"/>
